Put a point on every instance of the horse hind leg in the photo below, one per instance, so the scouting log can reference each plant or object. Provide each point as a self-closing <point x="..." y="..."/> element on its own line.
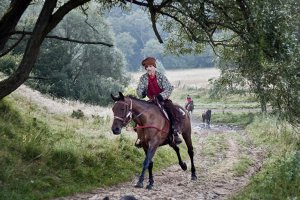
<point x="189" y="145"/>
<point x="180" y="162"/>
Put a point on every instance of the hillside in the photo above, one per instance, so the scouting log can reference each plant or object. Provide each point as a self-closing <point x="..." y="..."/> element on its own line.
<point x="59" y="106"/>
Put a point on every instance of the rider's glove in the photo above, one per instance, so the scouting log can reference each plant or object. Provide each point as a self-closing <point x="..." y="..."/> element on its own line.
<point x="159" y="98"/>
<point x="144" y="94"/>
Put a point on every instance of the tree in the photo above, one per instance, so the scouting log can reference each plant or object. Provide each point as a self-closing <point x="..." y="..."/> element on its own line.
<point x="260" y="34"/>
<point x="259" y="37"/>
<point x="71" y="70"/>
<point x="50" y="15"/>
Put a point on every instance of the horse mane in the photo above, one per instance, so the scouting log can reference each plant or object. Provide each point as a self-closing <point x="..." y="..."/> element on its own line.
<point x="137" y="99"/>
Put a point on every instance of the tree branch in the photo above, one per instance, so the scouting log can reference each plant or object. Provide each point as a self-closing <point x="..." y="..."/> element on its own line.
<point x="12" y="47"/>
<point x="63" y="38"/>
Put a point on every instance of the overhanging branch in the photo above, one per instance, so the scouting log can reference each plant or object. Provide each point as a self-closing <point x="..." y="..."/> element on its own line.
<point x="63" y="38"/>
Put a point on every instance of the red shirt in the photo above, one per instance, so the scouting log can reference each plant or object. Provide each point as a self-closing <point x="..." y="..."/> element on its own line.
<point x="189" y="100"/>
<point x="153" y="88"/>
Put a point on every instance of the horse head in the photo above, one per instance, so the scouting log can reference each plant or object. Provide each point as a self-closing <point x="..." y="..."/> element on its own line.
<point x="122" y="113"/>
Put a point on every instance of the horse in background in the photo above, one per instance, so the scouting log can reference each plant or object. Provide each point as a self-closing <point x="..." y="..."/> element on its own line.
<point x="153" y="130"/>
<point x="206" y="117"/>
<point x="190" y="107"/>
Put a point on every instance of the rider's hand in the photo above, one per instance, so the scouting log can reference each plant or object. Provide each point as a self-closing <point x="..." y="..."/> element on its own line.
<point x="159" y="98"/>
<point x="144" y="94"/>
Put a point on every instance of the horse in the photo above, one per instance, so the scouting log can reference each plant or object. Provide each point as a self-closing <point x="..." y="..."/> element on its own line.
<point x="206" y="116"/>
<point x="190" y="107"/>
<point x="152" y="129"/>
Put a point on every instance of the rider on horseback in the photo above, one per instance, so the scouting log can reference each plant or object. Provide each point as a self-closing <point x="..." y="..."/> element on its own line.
<point x="189" y="102"/>
<point x="155" y="85"/>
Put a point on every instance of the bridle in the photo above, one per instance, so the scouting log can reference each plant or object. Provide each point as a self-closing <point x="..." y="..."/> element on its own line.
<point x="127" y="117"/>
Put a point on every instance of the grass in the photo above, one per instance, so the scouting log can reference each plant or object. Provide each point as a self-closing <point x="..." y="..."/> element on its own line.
<point x="241" y="119"/>
<point x="280" y="175"/>
<point x="214" y="145"/>
<point x="44" y="156"/>
<point x="241" y="167"/>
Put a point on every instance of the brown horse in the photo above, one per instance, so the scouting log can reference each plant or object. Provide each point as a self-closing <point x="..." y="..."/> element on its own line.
<point x="206" y="116"/>
<point x="152" y="129"/>
<point x="190" y="107"/>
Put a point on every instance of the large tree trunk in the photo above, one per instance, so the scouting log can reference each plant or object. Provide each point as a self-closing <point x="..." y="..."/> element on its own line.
<point x="45" y="23"/>
<point x="10" y="19"/>
<point x="32" y="49"/>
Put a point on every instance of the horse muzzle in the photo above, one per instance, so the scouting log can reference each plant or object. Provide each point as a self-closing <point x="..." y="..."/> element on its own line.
<point x="116" y="130"/>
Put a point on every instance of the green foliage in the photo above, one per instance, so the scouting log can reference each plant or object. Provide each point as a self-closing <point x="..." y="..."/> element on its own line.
<point x="241" y="119"/>
<point x="136" y="39"/>
<point x="88" y="73"/>
<point x="215" y="145"/>
<point x="280" y="175"/>
<point x="265" y="60"/>
<point x="241" y="167"/>
<point x="9" y="63"/>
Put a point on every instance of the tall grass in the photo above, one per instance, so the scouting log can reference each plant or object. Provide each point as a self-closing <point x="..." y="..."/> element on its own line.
<point x="280" y="174"/>
<point x="44" y="156"/>
<point x="279" y="177"/>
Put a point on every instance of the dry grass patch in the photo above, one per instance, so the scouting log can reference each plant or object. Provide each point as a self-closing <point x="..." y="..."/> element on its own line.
<point x="187" y="77"/>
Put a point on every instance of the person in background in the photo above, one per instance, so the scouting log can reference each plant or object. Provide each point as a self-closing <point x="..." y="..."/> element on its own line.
<point x="156" y="86"/>
<point x="189" y="104"/>
<point x="188" y="101"/>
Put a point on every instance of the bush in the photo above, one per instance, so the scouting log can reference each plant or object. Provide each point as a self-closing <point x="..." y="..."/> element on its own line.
<point x="78" y="114"/>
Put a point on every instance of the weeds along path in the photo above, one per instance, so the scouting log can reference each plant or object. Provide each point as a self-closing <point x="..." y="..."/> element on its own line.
<point x="220" y="151"/>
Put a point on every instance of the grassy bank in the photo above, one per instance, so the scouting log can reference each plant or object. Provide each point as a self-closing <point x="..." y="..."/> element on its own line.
<point x="279" y="177"/>
<point x="46" y="155"/>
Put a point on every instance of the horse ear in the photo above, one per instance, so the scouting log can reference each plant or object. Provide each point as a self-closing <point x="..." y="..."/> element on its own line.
<point x="121" y="96"/>
<point x="113" y="97"/>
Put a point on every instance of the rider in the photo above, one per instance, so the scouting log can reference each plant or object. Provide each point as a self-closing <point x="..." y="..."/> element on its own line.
<point x="188" y="101"/>
<point x="155" y="85"/>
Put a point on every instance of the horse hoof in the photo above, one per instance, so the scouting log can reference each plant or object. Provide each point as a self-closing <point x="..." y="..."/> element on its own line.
<point x="149" y="187"/>
<point x="183" y="166"/>
<point x="194" y="177"/>
<point x="139" y="185"/>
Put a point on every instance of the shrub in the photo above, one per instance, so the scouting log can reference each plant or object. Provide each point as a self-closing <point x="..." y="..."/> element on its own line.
<point x="78" y="114"/>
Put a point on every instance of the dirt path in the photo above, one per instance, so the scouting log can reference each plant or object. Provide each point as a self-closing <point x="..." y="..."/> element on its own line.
<point x="216" y="177"/>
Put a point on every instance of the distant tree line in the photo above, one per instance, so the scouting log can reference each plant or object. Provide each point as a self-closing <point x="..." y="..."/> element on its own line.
<point x="135" y="38"/>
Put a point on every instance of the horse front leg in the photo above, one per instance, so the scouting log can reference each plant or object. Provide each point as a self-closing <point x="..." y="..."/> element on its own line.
<point x="151" y="180"/>
<point x="146" y="164"/>
<point x="181" y="163"/>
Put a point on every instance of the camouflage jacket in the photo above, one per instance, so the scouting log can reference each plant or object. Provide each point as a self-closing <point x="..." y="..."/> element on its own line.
<point x="162" y="81"/>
